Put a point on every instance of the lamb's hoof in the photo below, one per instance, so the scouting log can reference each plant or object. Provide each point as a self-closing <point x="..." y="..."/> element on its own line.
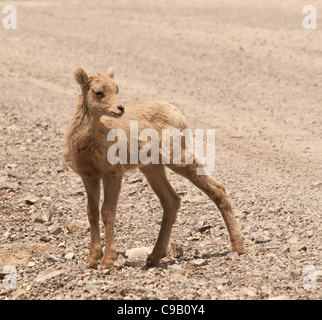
<point x="152" y="262"/>
<point x="106" y="263"/>
<point x="91" y="264"/>
<point x="239" y="248"/>
<point x="114" y="255"/>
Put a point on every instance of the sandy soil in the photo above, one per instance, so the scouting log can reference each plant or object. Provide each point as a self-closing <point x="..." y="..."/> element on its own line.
<point x="247" y="69"/>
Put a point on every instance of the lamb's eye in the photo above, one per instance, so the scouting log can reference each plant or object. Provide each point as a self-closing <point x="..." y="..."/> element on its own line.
<point x="99" y="94"/>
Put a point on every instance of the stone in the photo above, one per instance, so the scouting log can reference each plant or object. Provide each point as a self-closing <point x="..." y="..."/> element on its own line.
<point x="51" y="258"/>
<point x="193" y="238"/>
<point x="31" y="199"/>
<point x="310" y="233"/>
<point x="137" y="253"/>
<point x="248" y="292"/>
<point x="78" y="227"/>
<point x="19" y="294"/>
<point x="200" y="262"/>
<point x="221" y="281"/>
<point x="55" y="229"/>
<point x="48" y="274"/>
<point x="69" y="255"/>
<point x="41" y="217"/>
<point x="175" y="250"/>
<point x="297" y="247"/>
<point x="204" y="228"/>
<point x="6" y="184"/>
<point x="175" y="267"/>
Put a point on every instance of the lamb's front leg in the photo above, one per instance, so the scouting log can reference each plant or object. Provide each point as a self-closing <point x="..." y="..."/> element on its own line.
<point x="112" y="187"/>
<point x="92" y="188"/>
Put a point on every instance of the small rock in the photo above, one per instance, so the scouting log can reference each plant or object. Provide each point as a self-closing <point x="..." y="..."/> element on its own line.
<point x="132" y="264"/>
<point x="69" y="255"/>
<point x="55" y="229"/>
<point x="48" y="274"/>
<point x="51" y="258"/>
<point x="248" y="292"/>
<point x="204" y="228"/>
<point x="41" y="217"/>
<point x="19" y="294"/>
<point x="78" y="226"/>
<point x="200" y="262"/>
<point x="310" y="233"/>
<point x="193" y="238"/>
<point x="45" y="239"/>
<point x="120" y="260"/>
<point x="31" y="199"/>
<point x="256" y="209"/>
<point x="15" y="175"/>
<point x="266" y="291"/>
<point x="5" y="184"/>
<point x="78" y="193"/>
<point x="136" y="180"/>
<point x="293" y="239"/>
<point x="278" y="209"/>
<point x="221" y="281"/>
<point x="232" y="255"/>
<point x="136" y="253"/>
<point x="6" y="234"/>
<point x="297" y="247"/>
<point x="175" y="250"/>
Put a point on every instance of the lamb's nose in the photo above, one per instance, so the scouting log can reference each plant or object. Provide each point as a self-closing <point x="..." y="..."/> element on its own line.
<point x="121" y="108"/>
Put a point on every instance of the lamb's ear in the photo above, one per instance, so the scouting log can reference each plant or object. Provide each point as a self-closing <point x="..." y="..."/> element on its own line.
<point x="110" y="72"/>
<point x="81" y="77"/>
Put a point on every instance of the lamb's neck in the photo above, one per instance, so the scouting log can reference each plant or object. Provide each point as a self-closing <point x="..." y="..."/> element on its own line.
<point x="90" y="126"/>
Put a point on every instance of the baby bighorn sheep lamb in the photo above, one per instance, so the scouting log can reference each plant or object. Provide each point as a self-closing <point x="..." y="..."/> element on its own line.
<point x="98" y="111"/>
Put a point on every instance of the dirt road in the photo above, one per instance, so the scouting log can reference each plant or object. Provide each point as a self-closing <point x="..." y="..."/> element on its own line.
<point x="247" y="69"/>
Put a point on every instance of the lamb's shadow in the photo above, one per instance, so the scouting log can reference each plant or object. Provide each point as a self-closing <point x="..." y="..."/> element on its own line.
<point x="165" y="264"/>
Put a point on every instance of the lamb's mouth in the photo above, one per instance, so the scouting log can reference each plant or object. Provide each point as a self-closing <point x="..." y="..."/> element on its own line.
<point x="117" y="115"/>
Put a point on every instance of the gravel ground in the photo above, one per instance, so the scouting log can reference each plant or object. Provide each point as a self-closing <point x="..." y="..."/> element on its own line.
<point x="248" y="70"/>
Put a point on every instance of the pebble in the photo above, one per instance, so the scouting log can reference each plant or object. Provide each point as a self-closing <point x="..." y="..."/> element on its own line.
<point x="297" y="247"/>
<point x="48" y="274"/>
<point x="221" y="281"/>
<point x="31" y="199"/>
<point x="175" y="250"/>
<point x="138" y="253"/>
<point x="248" y="292"/>
<point x="78" y="226"/>
<point x="55" y="229"/>
<point x="69" y="255"/>
<point x="51" y="258"/>
<point x="200" y="262"/>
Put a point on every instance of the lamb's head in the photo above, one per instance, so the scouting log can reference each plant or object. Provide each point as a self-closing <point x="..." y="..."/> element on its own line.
<point x="99" y="93"/>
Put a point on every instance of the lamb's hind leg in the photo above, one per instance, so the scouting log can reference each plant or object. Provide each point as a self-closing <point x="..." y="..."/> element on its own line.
<point x="92" y="188"/>
<point x="112" y="187"/>
<point x="217" y="193"/>
<point x="170" y="202"/>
